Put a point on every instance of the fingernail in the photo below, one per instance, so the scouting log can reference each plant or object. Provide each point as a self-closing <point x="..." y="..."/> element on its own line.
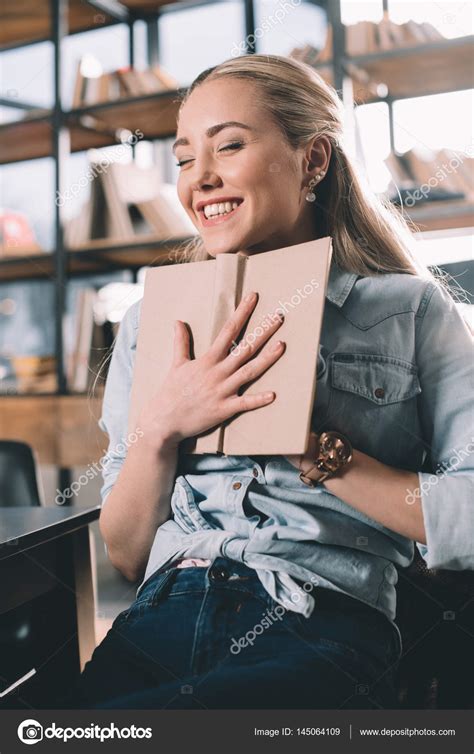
<point x="277" y="345"/>
<point x="250" y="296"/>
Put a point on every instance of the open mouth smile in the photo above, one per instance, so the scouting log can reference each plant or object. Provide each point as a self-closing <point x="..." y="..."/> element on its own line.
<point x="215" y="212"/>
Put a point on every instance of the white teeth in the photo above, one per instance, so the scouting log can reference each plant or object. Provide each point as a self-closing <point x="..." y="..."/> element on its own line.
<point x="222" y="208"/>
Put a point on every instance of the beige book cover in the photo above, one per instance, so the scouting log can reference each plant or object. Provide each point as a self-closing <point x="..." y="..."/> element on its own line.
<point x="204" y="295"/>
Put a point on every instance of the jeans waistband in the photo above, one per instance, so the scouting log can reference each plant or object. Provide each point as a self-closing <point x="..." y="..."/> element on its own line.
<point x="223" y="569"/>
<point x="225" y="573"/>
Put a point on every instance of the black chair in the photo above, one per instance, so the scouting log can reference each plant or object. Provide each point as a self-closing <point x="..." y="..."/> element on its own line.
<point x="18" y="488"/>
<point x="18" y="478"/>
<point x="435" y="615"/>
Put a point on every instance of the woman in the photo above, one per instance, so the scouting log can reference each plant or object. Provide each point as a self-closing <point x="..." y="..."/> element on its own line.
<point x="258" y="590"/>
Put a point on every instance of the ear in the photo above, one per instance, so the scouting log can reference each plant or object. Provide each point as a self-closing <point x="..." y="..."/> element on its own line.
<point x="317" y="155"/>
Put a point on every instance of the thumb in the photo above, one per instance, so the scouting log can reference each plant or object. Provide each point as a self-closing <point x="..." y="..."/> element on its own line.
<point x="181" y="343"/>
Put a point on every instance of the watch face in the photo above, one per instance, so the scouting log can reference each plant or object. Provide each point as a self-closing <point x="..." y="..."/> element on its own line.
<point x="334" y="451"/>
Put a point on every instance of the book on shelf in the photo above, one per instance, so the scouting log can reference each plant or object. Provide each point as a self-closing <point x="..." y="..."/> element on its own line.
<point x="127" y="202"/>
<point x="114" y="85"/>
<point x="366" y="37"/>
<point x="16" y="235"/>
<point x="91" y="340"/>
<point x="445" y="174"/>
<point x="204" y="295"/>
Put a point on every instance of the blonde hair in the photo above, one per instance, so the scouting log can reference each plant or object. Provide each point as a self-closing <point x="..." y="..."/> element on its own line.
<point x="369" y="235"/>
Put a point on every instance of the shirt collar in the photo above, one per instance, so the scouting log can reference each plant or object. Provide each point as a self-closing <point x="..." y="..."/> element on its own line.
<point x="340" y="284"/>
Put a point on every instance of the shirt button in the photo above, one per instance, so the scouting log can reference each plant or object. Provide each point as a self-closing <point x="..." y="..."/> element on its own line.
<point x="236" y="486"/>
<point x="255" y="472"/>
<point x="379" y="392"/>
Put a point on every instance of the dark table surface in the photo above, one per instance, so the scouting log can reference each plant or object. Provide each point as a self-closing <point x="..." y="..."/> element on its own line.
<point x="25" y="527"/>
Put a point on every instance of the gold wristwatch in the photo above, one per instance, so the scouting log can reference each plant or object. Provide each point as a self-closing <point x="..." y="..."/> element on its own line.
<point x="331" y="452"/>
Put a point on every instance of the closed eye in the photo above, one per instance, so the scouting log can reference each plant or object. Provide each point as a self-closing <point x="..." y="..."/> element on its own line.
<point x="232" y="146"/>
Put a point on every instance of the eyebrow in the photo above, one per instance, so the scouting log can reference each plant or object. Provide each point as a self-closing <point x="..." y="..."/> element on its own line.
<point x="212" y="131"/>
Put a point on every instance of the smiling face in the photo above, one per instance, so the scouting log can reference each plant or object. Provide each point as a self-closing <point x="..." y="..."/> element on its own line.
<point x="240" y="182"/>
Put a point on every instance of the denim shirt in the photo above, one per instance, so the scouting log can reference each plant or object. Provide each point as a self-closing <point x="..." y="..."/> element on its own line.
<point x="394" y="375"/>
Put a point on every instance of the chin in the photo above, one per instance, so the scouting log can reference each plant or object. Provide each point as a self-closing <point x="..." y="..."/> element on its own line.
<point x="214" y="248"/>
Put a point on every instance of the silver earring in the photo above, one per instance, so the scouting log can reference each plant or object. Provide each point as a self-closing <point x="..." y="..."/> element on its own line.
<point x="311" y="196"/>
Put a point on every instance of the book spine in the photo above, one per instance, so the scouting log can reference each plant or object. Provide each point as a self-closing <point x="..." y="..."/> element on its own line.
<point x="228" y="286"/>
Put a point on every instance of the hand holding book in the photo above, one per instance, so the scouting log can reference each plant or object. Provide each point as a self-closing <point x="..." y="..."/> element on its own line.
<point x="206" y="295"/>
<point x="198" y="394"/>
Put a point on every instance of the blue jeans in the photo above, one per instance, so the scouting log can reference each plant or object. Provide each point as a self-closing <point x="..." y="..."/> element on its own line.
<point x="212" y="638"/>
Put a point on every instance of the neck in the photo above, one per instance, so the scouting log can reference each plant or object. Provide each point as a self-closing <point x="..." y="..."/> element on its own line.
<point x="303" y="230"/>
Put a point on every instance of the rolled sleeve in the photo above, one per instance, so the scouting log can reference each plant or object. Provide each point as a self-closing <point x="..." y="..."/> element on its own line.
<point x="445" y="358"/>
<point x="114" y="417"/>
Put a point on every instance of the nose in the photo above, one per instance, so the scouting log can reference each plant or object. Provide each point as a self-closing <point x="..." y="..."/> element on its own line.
<point x="207" y="179"/>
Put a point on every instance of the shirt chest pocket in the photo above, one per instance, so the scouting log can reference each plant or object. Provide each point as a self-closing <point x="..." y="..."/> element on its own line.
<point x="373" y="401"/>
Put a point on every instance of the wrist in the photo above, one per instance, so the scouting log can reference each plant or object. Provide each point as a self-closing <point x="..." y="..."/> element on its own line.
<point x="337" y="481"/>
<point x="328" y="454"/>
<point x="160" y="441"/>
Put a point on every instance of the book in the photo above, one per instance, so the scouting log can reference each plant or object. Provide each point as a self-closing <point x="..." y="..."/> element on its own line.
<point x="433" y="173"/>
<point x="366" y="37"/>
<point x="78" y="362"/>
<point x="399" y="173"/>
<point x="414" y="34"/>
<point x="431" y="34"/>
<point x="385" y="39"/>
<point x="371" y="37"/>
<point x="91" y="337"/>
<point x="127" y="201"/>
<point x="124" y="82"/>
<point x="204" y="295"/>
<point x="128" y="187"/>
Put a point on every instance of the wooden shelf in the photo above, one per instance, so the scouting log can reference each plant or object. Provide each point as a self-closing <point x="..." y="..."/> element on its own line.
<point x="148" y="6"/>
<point x="433" y="68"/>
<point x="444" y="215"/>
<point x="27" y="21"/>
<point x="154" y="115"/>
<point x="62" y="429"/>
<point x="99" y="257"/>
<point x="25" y="139"/>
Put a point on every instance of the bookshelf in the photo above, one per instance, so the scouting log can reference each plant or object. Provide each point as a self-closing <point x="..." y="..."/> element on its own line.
<point x="408" y="71"/>
<point x="420" y="70"/>
<point x="26" y="22"/>
<point x="154" y="115"/>
<point x="98" y="257"/>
